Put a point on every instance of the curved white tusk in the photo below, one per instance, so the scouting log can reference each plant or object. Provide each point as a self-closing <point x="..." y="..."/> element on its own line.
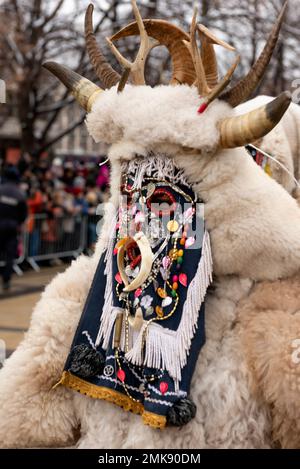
<point x="136" y="322"/>
<point x="120" y="261"/>
<point x="146" y="262"/>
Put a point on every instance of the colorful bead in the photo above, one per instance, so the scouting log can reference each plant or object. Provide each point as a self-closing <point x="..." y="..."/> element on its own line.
<point x="172" y="226"/>
<point x="175" y="286"/>
<point x="121" y="375"/>
<point x="180" y="253"/>
<point x="175" y="278"/>
<point x="179" y="260"/>
<point x="166" y="302"/>
<point x="173" y="253"/>
<point x="115" y="251"/>
<point x="182" y="241"/>
<point x="159" y="311"/>
<point x="120" y="243"/>
<point x="118" y="278"/>
<point x="138" y="292"/>
<point x="161" y="292"/>
<point x="173" y="293"/>
<point x="189" y="242"/>
<point x="183" y="279"/>
<point x="178" y="266"/>
<point x="166" y="262"/>
<point x="163" y="387"/>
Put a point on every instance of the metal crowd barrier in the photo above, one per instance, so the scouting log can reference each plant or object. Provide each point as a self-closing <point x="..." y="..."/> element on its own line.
<point x="54" y="237"/>
<point x="21" y="253"/>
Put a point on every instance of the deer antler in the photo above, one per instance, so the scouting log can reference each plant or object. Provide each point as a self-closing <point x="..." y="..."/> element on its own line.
<point x="147" y="43"/>
<point x="205" y="63"/>
<point x="201" y="81"/>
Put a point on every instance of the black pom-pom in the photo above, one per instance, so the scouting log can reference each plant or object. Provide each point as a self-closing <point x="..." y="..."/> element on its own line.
<point x="181" y="413"/>
<point x="86" y="362"/>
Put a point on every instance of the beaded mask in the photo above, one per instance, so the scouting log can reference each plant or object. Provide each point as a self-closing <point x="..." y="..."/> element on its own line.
<point x="143" y="324"/>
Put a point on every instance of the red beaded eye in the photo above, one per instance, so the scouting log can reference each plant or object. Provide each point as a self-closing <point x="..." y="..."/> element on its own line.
<point x="162" y="202"/>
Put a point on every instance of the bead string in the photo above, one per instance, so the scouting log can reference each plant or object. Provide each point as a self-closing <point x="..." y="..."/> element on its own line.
<point x="151" y="378"/>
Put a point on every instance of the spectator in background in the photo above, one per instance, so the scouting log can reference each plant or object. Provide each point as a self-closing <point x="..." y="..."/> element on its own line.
<point x="13" y="212"/>
<point x="35" y="207"/>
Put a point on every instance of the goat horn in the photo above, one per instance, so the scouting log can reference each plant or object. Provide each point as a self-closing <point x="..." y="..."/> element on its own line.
<point x="108" y="76"/>
<point x="171" y="37"/>
<point x="247" y="85"/>
<point x="242" y="130"/>
<point x="82" y="89"/>
<point x="208" y="39"/>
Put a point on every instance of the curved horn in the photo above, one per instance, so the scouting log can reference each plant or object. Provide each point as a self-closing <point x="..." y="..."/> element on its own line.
<point x="108" y="76"/>
<point x="172" y="37"/>
<point x="242" y="130"/>
<point x="246" y="86"/>
<point x="209" y="59"/>
<point x="82" y="89"/>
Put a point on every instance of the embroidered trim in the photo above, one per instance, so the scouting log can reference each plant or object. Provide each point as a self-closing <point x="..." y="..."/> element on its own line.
<point x="159" y="401"/>
<point x="99" y="392"/>
<point x="168" y="393"/>
<point x="86" y="333"/>
<point x="154" y="420"/>
<point x="115" y="397"/>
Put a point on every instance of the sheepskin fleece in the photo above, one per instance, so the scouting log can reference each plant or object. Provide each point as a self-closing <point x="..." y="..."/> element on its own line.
<point x="34" y="415"/>
<point x="148" y="117"/>
<point x="255" y="232"/>
<point x="269" y="325"/>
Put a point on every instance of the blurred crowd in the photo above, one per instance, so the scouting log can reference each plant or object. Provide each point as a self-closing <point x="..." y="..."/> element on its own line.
<point x="55" y="202"/>
<point x="63" y="187"/>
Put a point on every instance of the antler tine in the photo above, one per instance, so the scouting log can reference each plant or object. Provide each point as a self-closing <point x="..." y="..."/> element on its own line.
<point x="201" y="81"/>
<point x="147" y="43"/>
<point x="220" y="87"/>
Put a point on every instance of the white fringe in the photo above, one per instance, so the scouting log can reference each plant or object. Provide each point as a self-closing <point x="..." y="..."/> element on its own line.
<point x="156" y="166"/>
<point x="107" y="318"/>
<point x="168" y="349"/>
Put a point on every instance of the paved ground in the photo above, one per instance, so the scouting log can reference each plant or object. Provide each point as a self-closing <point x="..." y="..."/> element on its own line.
<point x="16" y="306"/>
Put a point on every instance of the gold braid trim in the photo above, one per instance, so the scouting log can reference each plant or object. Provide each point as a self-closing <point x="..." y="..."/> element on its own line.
<point x="99" y="392"/>
<point x="154" y="420"/>
<point x="115" y="397"/>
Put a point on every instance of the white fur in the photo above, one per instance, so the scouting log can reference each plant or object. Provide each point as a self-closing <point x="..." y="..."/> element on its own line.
<point x="255" y="233"/>
<point x="147" y="117"/>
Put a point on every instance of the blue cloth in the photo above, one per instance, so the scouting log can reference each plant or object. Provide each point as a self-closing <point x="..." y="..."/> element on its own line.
<point x="151" y="397"/>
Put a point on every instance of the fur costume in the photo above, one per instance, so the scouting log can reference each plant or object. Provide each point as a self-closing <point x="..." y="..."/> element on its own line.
<point x="254" y="226"/>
